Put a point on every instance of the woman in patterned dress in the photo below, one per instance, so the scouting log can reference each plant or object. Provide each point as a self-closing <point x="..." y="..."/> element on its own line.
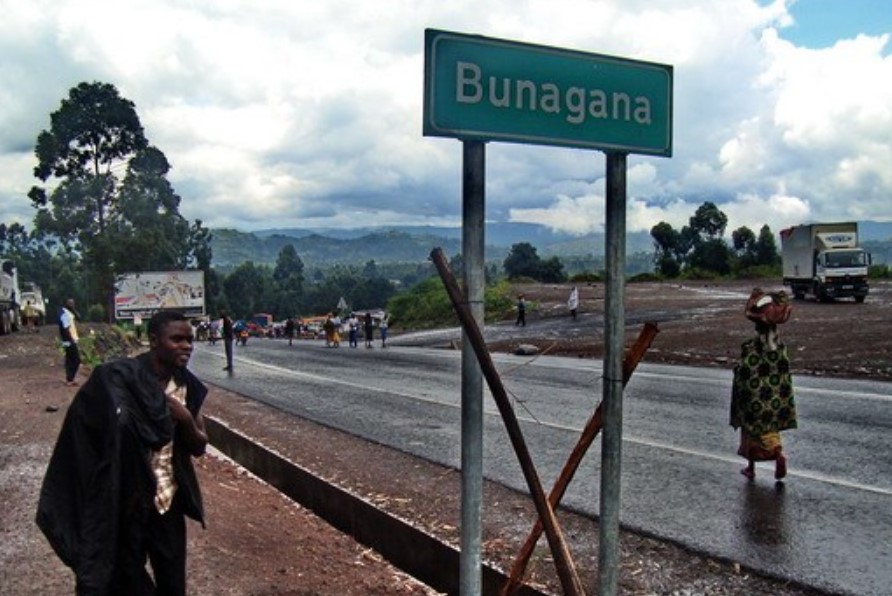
<point x="762" y="403"/>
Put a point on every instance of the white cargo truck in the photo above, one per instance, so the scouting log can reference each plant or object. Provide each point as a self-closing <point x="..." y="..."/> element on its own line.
<point x="824" y="259"/>
<point x="10" y="312"/>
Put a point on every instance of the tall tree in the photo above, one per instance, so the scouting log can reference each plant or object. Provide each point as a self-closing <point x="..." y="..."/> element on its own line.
<point x="288" y="276"/>
<point x="116" y="226"/>
<point x="707" y="249"/>
<point x="94" y="131"/>
<point x="522" y="261"/>
<point x="766" y="248"/>
<point x="744" y="241"/>
<point x="667" y="249"/>
<point x="246" y="289"/>
<point x="147" y="230"/>
<point x="709" y="221"/>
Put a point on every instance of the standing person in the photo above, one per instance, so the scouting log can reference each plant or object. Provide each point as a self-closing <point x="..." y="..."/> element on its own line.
<point x="30" y="316"/>
<point x="120" y="481"/>
<point x="353" y="330"/>
<point x="368" y="328"/>
<point x="329" y="328"/>
<point x="762" y="403"/>
<point x="68" y="333"/>
<point x="521" y="311"/>
<point x="382" y="329"/>
<point x="137" y="326"/>
<point x="336" y="331"/>
<point x="289" y="330"/>
<point x="228" y="338"/>
<point x="573" y="302"/>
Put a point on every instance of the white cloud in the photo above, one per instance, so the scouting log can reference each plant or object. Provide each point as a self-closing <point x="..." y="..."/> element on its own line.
<point x="309" y="113"/>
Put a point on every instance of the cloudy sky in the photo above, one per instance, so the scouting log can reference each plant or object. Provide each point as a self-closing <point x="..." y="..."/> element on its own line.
<point x="308" y="113"/>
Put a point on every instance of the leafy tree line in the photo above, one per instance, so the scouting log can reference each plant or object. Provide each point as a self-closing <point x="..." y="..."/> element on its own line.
<point x="284" y="291"/>
<point x="699" y="249"/>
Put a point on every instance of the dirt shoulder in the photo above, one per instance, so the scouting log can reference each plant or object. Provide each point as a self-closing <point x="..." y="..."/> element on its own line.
<point x="257" y="542"/>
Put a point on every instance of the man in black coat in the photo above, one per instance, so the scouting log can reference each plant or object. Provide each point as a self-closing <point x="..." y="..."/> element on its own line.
<point x="120" y="481"/>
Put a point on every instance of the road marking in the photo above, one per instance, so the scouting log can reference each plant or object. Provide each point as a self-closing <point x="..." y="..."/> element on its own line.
<point x="492" y="411"/>
<point x="816" y="476"/>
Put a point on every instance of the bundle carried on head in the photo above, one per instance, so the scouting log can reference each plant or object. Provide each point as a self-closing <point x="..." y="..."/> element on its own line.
<point x="768" y="308"/>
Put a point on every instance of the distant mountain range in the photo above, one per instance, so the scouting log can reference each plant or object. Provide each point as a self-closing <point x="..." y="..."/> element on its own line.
<point x="322" y="247"/>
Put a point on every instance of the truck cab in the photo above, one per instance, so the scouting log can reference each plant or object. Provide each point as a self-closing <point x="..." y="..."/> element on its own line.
<point x="842" y="272"/>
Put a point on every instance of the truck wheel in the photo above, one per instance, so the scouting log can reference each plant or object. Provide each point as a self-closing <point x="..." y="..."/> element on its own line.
<point x="798" y="294"/>
<point x="859" y="299"/>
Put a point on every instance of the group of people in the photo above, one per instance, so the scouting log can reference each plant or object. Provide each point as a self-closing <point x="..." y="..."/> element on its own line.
<point x="334" y="326"/>
<point x="521" y="307"/>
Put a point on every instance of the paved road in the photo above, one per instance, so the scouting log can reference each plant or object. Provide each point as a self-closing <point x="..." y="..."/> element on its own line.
<point x="829" y="525"/>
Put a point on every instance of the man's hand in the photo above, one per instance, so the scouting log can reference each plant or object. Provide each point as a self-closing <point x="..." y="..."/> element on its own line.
<point x="192" y="428"/>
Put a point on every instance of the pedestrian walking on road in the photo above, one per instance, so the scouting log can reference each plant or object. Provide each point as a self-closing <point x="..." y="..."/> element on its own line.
<point x="289" y="330"/>
<point x="573" y="302"/>
<point x="228" y="339"/>
<point x="368" y="329"/>
<point x="762" y="403"/>
<point x="29" y="315"/>
<point x="382" y="329"/>
<point x="521" y="311"/>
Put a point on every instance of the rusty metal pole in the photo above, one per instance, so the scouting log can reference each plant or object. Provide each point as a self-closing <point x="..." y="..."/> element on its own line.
<point x="473" y="226"/>
<point x="614" y="341"/>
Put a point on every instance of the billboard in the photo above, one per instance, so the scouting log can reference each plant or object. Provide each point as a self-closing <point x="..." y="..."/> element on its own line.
<point x="146" y="292"/>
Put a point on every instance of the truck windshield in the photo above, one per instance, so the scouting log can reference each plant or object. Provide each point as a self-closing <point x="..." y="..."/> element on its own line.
<point x="846" y="258"/>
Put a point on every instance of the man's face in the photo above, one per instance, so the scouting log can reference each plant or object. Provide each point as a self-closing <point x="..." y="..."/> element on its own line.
<point x="174" y="344"/>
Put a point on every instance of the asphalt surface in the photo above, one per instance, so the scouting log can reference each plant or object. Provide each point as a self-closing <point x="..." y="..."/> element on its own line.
<point x="829" y="525"/>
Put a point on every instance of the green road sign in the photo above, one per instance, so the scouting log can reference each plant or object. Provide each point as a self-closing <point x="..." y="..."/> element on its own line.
<point x="480" y="88"/>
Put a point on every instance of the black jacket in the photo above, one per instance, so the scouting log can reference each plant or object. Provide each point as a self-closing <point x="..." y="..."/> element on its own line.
<point x="100" y="468"/>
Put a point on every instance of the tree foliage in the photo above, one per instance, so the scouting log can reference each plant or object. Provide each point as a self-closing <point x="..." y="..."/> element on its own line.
<point x="699" y="248"/>
<point x="116" y="225"/>
<point x="523" y="261"/>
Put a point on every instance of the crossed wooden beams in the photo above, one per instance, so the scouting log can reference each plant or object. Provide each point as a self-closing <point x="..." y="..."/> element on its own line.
<point x="545" y="507"/>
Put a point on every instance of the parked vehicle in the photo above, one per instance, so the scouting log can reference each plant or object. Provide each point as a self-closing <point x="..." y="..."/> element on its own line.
<point x="10" y="297"/>
<point x="825" y="260"/>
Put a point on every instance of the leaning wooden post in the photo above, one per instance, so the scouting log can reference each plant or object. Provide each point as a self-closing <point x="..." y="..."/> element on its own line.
<point x="563" y="562"/>
<point x="589" y="433"/>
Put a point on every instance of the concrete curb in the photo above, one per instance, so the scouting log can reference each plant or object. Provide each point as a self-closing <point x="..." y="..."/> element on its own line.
<point x="412" y="550"/>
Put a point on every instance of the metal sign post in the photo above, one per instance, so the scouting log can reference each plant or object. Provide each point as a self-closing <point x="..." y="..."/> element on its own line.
<point x="614" y="341"/>
<point x="473" y="224"/>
